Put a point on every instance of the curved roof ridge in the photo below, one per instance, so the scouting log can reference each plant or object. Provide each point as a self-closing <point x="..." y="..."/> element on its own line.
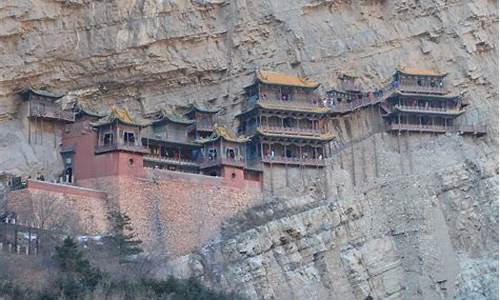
<point x="419" y="71"/>
<point x="272" y="77"/>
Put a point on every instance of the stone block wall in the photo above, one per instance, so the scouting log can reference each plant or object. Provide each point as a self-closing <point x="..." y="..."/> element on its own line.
<point x="176" y="213"/>
<point x="62" y="207"/>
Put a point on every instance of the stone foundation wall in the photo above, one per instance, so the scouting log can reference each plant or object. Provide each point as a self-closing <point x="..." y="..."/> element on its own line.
<point x="176" y="213"/>
<point x="61" y="207"/>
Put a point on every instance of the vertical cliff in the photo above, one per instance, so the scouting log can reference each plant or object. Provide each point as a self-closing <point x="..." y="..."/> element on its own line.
<point x="402" y="217"/>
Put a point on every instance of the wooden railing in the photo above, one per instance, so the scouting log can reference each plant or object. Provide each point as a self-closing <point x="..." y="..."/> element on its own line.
<point x="207" y="163"/>
<point x="422" y="89"/>
<point x="418" y="127"/>
<point x="428" y="109"/>
<point x="171" y="160"/>
<point x="51" y="112"/>
<point x="297" y="104"/>
<point x="464" y="129"/>
<point x="121" y="146"/>
<point x="204" y="126"/>
<point x="293" y="160"/>
<point x="292" y="130"/>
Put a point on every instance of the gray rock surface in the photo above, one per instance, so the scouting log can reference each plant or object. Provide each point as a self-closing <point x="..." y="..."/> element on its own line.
<point x="395" y="217"/>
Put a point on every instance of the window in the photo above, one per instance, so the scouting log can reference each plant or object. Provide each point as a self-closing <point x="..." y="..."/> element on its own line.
<point x="230" y="153"/>
<point x="108" y="139"/>
<point x="212" y="154"/>
<point x="129" y="138"/>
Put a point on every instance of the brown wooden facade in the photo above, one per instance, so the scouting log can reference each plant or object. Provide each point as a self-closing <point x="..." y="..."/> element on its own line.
<point x="287" y="121"/>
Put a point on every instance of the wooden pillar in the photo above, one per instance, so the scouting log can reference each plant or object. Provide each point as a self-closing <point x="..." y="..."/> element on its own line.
<point x="28" y="252"/>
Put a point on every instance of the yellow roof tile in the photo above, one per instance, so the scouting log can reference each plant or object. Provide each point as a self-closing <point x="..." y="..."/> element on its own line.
<point x="285" y="79"/>
<point x="416" y="71"/>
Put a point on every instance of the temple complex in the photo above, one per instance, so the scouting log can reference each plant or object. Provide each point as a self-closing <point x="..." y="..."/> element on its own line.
<point x="420" y="102"/>
<point x="283" y="122"/>
<point x="286" y="120"/>
<point x="180" y="166"/>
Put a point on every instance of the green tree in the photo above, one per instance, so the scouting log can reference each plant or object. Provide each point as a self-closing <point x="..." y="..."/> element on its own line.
<point x="123" y="239"/>
<point x="78" y="275"/>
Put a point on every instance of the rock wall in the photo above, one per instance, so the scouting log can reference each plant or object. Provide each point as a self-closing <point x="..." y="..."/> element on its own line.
<point x="146" y="53"/>
<point x="398" y="216"/>
<point x="430" y="235"/>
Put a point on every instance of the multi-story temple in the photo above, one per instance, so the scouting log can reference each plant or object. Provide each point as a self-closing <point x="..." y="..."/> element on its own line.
<point x="420" y="102"/>
<point x="283" y="123"/>
<point x="170" y="139"/>
<point x="286" y="120"/>
<point x="204" y="119"/>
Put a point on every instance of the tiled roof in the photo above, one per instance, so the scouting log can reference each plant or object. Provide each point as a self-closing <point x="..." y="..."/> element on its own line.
<point x="270" y="77"/>
<point x="122" y="116"/>
<point x="43" y="93"/>
<point x="82" y="108"/>
<point x="173" y="117"/>
<point x="416" y="71"/>
<point x="202" y="107"/>
<point x="224" y="133"/>
<point x="417" y="95"/>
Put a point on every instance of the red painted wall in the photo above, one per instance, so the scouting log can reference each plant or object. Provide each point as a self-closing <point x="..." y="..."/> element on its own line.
<point x="233" y="176"/>
<point x="87" y="164"/>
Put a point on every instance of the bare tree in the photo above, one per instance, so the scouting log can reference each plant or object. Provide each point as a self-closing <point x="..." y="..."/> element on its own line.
<point x="50" y="212"/>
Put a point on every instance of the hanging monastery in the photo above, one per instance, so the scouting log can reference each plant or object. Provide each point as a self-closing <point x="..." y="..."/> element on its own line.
<point x="179" y="173"/>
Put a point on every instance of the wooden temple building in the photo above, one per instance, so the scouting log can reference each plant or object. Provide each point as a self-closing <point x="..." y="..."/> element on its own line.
<point x="286" y="121"/>
<point x="420" y="102"/>
<point x="45" y="116"/>
<point x="44" y="105"/>
<point x="203" y="117"/>
<point x="171" y="142"/>
<point x="283" y="122"/>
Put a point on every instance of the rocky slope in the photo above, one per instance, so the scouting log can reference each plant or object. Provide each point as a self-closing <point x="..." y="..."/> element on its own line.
<point x="431" y="234"/>
<point x="402" y="217"/>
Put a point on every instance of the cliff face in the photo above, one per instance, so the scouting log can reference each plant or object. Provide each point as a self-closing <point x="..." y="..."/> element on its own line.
<point x="394" y="216"/>
<point x="146" y="54"/>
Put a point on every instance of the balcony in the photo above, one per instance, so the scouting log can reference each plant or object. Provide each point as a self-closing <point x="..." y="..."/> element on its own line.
<point x="298" y="104"/>
<point x="345" y="107"/>
<point x="478" y="130"/>
<point x="429" y="110"/>
<point x="127" y="147"/>
<point x="418" y="89"/>
<point x="204" y="126"/>
<point x="208" y="163"/>
<point x="171" y="160"/>
<point x="296" y="131"/>
<point x="293" y="161"/>
<point x="51" y="113"/>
